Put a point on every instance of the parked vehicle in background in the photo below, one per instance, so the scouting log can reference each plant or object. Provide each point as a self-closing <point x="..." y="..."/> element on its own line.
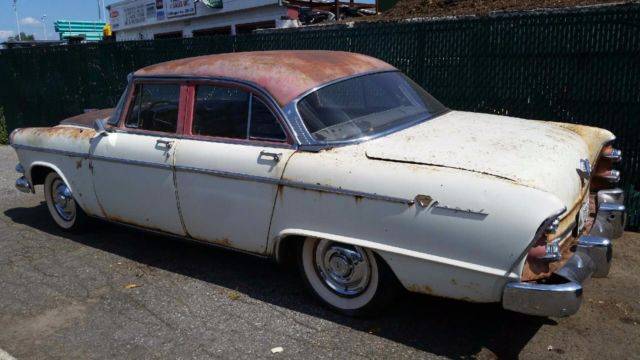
<point x="341" y="162"/>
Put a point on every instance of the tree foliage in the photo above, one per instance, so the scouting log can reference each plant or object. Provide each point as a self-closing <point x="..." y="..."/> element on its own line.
<point x="4" y="134"/>
<point x="23" y="37"/>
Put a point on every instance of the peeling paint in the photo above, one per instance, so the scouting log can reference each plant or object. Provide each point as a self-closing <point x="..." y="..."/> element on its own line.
<point x="284" y="74"/>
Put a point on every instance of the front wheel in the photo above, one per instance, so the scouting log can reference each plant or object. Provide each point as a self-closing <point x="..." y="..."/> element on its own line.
<point x="347" y="278"/>
<point x="62" y="206"/>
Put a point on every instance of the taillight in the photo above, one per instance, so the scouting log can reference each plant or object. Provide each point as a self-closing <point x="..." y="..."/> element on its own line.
<point x="546" y="251"/>
<point x="12" y="135"/>
<point x="605" y="176"/>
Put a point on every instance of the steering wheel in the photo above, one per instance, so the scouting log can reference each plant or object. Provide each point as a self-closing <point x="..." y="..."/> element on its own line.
<point x="153" y="113"/>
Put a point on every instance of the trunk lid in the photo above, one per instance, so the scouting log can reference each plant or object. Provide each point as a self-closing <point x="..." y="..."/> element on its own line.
<point x="542" y="155"/>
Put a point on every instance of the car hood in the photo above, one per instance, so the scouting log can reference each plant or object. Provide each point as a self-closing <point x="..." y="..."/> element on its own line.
<point x="542" y="155"/>
<point x="88" y="118"/>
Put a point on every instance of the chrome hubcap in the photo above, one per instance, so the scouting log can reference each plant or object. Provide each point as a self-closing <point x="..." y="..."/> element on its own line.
<point x="345" y="269"/>
<point x="63" y="200"/>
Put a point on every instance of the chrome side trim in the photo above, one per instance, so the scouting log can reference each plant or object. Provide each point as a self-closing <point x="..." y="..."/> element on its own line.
<point x="230" y="175"/>
<point x="50" y="151"/>
<point x="341" y="191"/>
<point x="130" y="162"/>
<point x="264" y="179"/>
<point x="295" y="184"/>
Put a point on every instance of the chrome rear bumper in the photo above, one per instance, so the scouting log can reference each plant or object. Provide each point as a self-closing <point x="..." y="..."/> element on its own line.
<point x="562" y="295"/>
<point x="611" y="216"/>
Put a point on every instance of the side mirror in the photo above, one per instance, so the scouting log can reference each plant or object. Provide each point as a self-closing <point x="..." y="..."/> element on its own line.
<point x="98" y="126"/>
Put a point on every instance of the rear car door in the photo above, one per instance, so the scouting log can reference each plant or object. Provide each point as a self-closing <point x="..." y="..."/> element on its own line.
<point x="229" y="164"/>
<point x="133" y="166"/>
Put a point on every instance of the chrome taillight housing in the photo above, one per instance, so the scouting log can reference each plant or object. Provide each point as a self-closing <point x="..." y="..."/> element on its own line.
<point x="543" y="250"/>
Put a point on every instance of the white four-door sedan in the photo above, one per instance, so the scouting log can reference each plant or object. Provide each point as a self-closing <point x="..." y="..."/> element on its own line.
<point x="341" y="162"/>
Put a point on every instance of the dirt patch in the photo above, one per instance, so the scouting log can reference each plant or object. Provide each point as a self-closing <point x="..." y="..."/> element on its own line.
<point x="429" y="8"/>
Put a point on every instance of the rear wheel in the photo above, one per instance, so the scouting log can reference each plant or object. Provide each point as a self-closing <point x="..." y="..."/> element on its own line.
<point x="62" y="206"/>
<point x="347" y="278"/>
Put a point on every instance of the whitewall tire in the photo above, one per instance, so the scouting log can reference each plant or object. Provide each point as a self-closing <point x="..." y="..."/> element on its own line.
<point x="63" y="208"/>
<point x="350" y="279"/>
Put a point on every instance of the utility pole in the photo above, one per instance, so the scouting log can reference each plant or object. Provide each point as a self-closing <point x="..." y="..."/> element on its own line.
<point x="15" y="10"/>
<point x="100" y="10"/>
<point x="44" y="25"/>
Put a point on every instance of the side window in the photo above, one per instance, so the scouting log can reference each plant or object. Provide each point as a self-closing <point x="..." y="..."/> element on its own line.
<point x="224" y="112"/>
<point x="221" y="112"/>
<point x="154" y="108"/>
<point x="264" y="125"/>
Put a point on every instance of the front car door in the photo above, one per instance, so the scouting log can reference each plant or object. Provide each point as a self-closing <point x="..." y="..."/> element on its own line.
<point x="229" y="165"/>
<point x="133" y="165"/>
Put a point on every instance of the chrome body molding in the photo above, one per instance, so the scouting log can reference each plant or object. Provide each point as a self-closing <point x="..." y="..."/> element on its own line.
<point x="232" y="175"/>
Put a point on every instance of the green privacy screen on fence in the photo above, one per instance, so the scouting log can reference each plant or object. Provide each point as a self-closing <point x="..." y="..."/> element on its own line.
<point x="579" y="66"/>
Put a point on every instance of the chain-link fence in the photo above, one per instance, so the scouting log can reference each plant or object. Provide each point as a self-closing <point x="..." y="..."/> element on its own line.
<point x="579" y="66"/>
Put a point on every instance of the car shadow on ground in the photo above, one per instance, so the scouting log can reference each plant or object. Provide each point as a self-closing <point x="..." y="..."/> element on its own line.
<point x="439" y="326"/>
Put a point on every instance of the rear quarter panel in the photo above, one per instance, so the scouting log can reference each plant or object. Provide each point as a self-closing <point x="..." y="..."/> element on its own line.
<point x="446" y="252"/>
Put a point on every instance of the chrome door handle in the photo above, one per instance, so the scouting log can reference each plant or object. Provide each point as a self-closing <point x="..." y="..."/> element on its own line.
<point x="274" y="156"/>
<point x="167" y="143"/>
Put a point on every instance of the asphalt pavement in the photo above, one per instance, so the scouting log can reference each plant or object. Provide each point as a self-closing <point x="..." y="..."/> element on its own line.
<point x="113" y="292"/>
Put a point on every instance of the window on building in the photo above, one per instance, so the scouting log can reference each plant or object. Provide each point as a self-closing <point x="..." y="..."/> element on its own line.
<point x="250" y="27"/>
<point x="225" y="30"/>
<point x="168" y="35"/>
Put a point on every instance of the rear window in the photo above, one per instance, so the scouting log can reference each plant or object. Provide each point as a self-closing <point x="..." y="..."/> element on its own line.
<point x="365" y="106"/>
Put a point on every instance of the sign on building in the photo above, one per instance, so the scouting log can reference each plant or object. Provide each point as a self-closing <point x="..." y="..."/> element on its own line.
<point x="214" y="4"/>
<point x="176" y="8"/>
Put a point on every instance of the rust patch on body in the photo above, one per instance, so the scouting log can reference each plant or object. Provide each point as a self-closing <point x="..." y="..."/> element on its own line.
<point x="224" y="242"/>
<point x="284" y="74"/>
<point x="423" y="289"/>
<point x="88" y="118"/>
<point x="40" y="136"/>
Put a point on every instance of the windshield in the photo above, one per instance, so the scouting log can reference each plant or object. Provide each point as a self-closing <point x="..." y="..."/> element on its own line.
<point x="365" y="106"/>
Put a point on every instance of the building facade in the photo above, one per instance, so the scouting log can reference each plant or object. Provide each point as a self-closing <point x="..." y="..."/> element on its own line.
<point x="158" y="19"/>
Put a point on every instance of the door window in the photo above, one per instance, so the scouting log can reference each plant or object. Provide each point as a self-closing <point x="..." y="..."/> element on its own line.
<point x="234" y="113"/>
<point x="155" y="108"/>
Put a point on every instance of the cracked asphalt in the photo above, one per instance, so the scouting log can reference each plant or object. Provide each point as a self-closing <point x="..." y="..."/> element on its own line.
<point x="113" y="292"/>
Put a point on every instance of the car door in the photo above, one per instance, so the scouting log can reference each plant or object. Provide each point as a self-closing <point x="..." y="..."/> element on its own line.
<point x="229" y="165"/>
<point x="133" y="165"/>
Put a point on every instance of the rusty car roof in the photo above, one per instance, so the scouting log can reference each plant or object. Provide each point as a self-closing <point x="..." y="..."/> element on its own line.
<point x="285" y="74"/>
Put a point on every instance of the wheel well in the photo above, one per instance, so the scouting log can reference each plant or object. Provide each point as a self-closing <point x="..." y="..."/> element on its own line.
<point x="286" y="249"/>
<point x="39" y="173"/>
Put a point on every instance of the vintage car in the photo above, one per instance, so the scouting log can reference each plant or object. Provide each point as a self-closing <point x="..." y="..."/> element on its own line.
<point x="341" y="163"/>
